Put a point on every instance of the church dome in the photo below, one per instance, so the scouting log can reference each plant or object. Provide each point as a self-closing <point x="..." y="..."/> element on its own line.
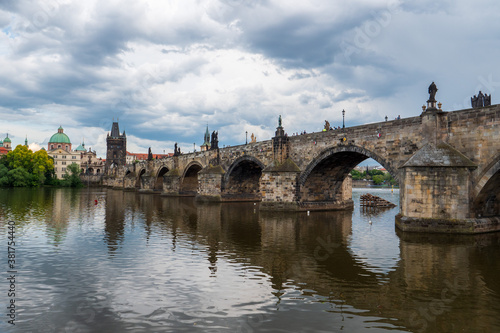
<point x="81" y="147"/>
<point x="59" y="137"/>
<point x="6" y="139"/>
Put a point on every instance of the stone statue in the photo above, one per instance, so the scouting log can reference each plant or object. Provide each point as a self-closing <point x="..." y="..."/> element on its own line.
<point x="253" y="138"/>
<point x="214" y="141"/>
<point x="279" y="121"/>
<point x="432" y="92"/>
<point x="150" y="155"/>
<point x="487" y="100"/>
<point x="327" y="125"/>
<point x="480" y="99"/>
<point x="177" y="151"/>
<point x="473" y="101"/>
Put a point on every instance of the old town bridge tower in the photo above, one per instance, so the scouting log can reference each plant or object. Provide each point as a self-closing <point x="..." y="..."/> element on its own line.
<point x="116" y="147"/>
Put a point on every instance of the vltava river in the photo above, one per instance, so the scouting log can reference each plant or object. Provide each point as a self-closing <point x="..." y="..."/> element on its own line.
<point x="144" y="263"/>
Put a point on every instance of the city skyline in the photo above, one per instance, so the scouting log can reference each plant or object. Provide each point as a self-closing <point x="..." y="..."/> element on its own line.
<point x="167" y="70"/>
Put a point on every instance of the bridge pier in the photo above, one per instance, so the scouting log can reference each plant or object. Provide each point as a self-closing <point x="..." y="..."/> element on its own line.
<point x="129" y="182"/>
<point x="435" y="194"/>
<point x="171" y="183"/>
<point x="279" y="186"/>
<point x="210" y="184"/>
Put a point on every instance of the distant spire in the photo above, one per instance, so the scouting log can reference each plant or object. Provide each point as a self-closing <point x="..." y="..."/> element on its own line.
<point x="26" y="141"/>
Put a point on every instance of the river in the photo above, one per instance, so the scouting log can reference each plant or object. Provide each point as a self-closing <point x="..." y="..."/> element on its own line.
<point x="103" y="260"/>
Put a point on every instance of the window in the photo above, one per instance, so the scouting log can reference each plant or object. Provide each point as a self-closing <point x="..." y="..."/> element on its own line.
<point x="55" y="162"/>
<point x="67" y="147"/>
<point x="64" y="156"/>
<point x="63" y="169"/>
<point x="51" y="147"/>
<point x="64" y="163"/>
<point x="55" y="169"/>
<point x="73" y="157"/>
<point x="58" y="146"/>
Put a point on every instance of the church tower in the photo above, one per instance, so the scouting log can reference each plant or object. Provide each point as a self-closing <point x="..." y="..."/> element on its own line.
<point x="116" y="147"/>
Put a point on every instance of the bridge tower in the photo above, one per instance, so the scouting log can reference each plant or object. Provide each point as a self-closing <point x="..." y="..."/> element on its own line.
<point x="116" y="147"/>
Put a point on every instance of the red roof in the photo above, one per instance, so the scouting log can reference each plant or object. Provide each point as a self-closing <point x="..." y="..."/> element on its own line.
<point x="3" y="151"/>
<point x="141" y="157"/>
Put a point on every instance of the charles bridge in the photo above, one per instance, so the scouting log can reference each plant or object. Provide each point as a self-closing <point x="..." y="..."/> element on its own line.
<point x="447" y="165"/>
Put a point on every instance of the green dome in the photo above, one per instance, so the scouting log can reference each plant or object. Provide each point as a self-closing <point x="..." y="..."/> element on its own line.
<point x="7" y="140"/>
<point x="59" y="138"/>
<point x="81" y="147"/>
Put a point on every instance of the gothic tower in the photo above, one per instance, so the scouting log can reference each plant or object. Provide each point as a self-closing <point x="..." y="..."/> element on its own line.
<point x="116" y="145"/>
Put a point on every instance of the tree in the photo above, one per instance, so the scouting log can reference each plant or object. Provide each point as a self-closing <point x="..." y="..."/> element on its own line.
<point x="72" y="176"/>
<point x="22" y="167"/>
<point x="378" y="179"/>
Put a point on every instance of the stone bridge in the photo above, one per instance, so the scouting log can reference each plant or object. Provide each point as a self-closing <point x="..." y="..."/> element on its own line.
<point x="447" y="165"/>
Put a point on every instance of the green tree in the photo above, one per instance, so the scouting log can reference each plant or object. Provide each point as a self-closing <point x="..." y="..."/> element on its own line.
<point x="378" y="179"/>
<point x="22" y="167"/>
<point x="72" y="176"/>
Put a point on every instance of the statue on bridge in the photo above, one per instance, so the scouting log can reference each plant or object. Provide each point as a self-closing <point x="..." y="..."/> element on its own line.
<point x="481" y="100"/>
<point x="432" y="92"/>
<point x="327" y="126"/>
<point x="150" y="155"/>
<point x="214" y="142"/>
<point x="177" y="151"/>
<point x="253" y="138"/>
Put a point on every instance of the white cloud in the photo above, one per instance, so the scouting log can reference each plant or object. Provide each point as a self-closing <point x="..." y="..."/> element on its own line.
<point x="166" y="69"/>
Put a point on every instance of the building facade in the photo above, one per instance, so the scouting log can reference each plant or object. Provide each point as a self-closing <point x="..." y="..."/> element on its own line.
<point x="59" y="148"/>
<point x="90" y="164"/>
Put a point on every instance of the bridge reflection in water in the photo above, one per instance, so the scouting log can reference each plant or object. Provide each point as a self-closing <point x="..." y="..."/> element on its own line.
<point x="170" y="264"/>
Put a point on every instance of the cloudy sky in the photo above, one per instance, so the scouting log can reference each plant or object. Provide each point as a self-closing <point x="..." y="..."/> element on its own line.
<point x="169" y="68"/>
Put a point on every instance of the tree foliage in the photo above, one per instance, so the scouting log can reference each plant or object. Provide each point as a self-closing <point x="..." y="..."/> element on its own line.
<point x="21" y="167"/>
<point x="72" y="176"/>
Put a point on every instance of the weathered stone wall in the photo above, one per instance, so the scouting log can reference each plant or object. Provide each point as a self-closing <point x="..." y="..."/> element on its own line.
<point x="210" y="184"/>
<point x="436" y="193"/>
<point x="279" y="190"/>
<point x="92" y="180"/>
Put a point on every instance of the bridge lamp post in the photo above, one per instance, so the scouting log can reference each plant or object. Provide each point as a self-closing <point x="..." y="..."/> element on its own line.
<point x="246" y="137"/>
<point x="194" y="147"/>
<point x="343" y="118"/>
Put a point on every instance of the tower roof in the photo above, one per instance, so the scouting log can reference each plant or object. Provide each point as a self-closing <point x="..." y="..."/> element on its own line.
<point x="115" y="130"/>
<point x="206" y="138"/>
<point x="7" y="138"/>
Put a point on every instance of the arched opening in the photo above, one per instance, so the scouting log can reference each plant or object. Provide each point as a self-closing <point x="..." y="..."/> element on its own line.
<point x="326" y="182"/>
<point x="189" y="185"/>
<point x="139" y="181"/>
<point x="91" y="171"/>
<point x="487" y="202"/>
<point x="159" y="179"/>
<point x="241" y="182"/>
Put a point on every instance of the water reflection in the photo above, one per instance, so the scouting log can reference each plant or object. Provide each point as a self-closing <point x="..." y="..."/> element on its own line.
<point x="99" y="260"/>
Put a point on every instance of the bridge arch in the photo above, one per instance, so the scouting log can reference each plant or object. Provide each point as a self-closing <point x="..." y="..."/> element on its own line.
<point x="486" y="193"/>
<point x="139" y="180"/>
<point x="189" y="180"/>
<point x="359" y="153"/>
<point x="323" y="179"/>
<point x="159" y="177"/>
<point x="242" y="179"/>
